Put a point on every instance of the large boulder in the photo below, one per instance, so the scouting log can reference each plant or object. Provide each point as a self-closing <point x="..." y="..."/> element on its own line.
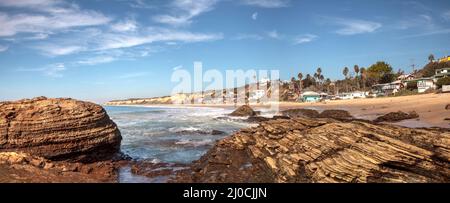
<point x="243" y="111"/>
<point x="307" y="113"/>
<point x="397" y="116"/>
<point x="336" y="114"/>
<point x="58" y="129"/>
<point x="325" y="151"/>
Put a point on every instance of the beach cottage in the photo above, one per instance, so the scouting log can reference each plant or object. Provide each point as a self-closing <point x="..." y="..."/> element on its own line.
<point x="310" y="96"/>
<point x="388" y="88"/>
<point x="424" y="84"/>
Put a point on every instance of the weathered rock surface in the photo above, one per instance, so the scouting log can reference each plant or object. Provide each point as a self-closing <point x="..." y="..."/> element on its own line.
<point x="58" y="129"/>
<point x="244" y="110"/>
<point x="201" y="132"/>
<point x="18" y="167"/>
<point x="325" y="150"/>
<point x="307" y="113"/>
<point x="335" y="114"/>
<point x="397" y="116"/>
<point x="152" y="170"/>
<point x="447" y="107"/>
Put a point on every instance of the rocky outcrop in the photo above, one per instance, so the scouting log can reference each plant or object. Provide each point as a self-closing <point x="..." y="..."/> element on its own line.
<point x="397" y="116"/>
<point x="58" y="129"/>
<point x="447" y="107"/>
<point x="307" y="113"/>
<point x="244" y="110"/>
<point x="18" y="167"/>
<point x="335" y="114"/>
<point x="325" y="151"/>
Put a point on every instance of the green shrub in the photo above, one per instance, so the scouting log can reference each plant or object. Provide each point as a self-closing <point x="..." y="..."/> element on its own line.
<point x="443" y="81"/>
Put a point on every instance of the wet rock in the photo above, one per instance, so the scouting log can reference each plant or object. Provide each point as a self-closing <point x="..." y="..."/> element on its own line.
<point x="243" y="111"/>
<point x="217" y="132"/>
<point x="335" y="114"/>
<point x="325" y="151"/>
<point x="294" y="113"/>
<point x="397" y="116"/>
<point x="200" y="132"/>
<point x="256" y="119"/>
<point x="151" y="170"/>
<point x="58" y="129"/>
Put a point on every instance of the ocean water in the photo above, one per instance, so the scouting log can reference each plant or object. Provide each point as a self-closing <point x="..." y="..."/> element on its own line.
<point x="169" y="135"/>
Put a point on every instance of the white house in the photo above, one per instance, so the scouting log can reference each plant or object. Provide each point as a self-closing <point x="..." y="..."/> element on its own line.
<point x="424" y="84"/>
<point x="258" y="94"/>
<point x="388" y="88"/>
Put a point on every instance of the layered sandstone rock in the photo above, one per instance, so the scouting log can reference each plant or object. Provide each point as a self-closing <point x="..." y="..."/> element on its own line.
<point x="19" y="167"/>
<point x="244" y="110"/>
<point x="325" y="150"/>
<point x="397" y="116"/>
<point x="58" y="129"/>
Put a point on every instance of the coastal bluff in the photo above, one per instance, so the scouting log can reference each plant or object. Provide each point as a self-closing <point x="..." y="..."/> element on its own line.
<point x="323" y="150"/>
<point x="58" y="129"/>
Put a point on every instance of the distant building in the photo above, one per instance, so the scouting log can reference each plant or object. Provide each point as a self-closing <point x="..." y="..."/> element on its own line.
<point x="352" y="95"/>
<point x="406" y="77"/>
<point x="310" y="96"/>
<point x="388" y="88"/>
<point x="444" y="59"/>
<point x="424" y="84"/>
<point x="258" y="94"/>
<point x="440" y="73"/>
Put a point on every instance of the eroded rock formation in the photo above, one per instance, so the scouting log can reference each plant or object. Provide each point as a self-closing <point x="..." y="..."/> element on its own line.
<point x="244" y="110"/>
<point x="325" y="150"/>
<point x="58" y="129"/>
<point x="397" y="116"/>
<point x="18" y="167"/>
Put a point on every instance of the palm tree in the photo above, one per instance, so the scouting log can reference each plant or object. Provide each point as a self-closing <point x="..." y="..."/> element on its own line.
<point x="345" y="72"/>
<point x="356" y="68"/>
<point x="431" y="58"/>
<point x="300" y="77"/>
<point x="363" y="77"/>
<point x="247" y="94"/>
<point x="318" y="74"/>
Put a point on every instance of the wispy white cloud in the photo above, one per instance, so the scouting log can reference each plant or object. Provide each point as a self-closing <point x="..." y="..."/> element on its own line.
<point x="96" y="60"/>
<point x="421" y="21"/>
<point x="46" y="16"/>
<point x="115" y="41"/>
<point x="255" y="15"/>
<point x="267" y="3"/>
<point x="273" y="34"/>
<point x="248" y="36"/>
<point x="140" y="4"/>
<point x="446" y="15"/>
<point x="428" y="33"/>
<point x="59" y="50"/>
<point x="125" y="26"/>
<point x="133" y="75"/>
<point x="305" y="38"/>
<point x="53" y="70"/>
<point x="3" y="48"/>
<point x="353" y="26"/>
<point x="184" y="10"/>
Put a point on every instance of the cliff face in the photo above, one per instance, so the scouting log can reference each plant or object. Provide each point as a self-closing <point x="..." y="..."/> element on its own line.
<point x="58" y="129"/>
<point x="325" y="150"/>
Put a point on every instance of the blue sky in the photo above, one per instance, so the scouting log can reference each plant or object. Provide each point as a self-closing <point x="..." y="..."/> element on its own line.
<point x="112" y="49"/>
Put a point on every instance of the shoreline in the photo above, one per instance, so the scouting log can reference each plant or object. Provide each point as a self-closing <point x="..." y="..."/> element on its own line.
<point x="430" y="107"/>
